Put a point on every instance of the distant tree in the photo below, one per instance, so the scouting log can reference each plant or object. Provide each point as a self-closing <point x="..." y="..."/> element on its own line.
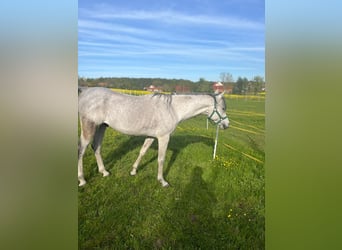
<point x="226" y="77"/>
<point x="241" y="86"/>
<point x="167" y="87"/>
<point x="203" y="86"/>
<point x="82" y="81"/>
<point x="202" y="80"/>
<point x="257" y="84"/>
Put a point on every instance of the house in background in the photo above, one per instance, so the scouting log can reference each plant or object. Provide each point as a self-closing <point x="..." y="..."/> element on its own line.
<point x="153" y="88"/>
<point x="182" y="89"/>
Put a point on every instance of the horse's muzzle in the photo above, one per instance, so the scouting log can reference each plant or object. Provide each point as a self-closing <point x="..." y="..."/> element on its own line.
<point x="224" y="124"/>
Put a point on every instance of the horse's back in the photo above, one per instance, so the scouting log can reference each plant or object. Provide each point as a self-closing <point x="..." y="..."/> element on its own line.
<point x="92" y="103"/>
<point x="95" y="92"/>
<point x="136" y="115"/>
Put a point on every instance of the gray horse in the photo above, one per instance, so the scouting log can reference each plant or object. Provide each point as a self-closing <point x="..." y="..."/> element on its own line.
<point x="154" y="116"/>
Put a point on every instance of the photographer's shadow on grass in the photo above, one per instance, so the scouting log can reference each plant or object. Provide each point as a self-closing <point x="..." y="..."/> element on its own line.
<point x="190" y="222"/>
<point x="176" y="145"/>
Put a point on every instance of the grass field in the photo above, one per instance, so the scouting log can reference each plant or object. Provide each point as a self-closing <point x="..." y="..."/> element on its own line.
<point x="211" y="204"/>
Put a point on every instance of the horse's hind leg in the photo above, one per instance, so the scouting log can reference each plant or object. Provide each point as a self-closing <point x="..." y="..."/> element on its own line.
<point x="87" y="133"/>
<point x="97" y="148"/>
<point x="148" y="142"/>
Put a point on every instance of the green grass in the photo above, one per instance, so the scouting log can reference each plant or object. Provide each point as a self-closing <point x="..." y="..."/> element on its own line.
<point x="211" y="204"/>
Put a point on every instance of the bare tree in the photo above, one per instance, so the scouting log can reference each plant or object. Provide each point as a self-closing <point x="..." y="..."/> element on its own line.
<point x="226" y="77"/>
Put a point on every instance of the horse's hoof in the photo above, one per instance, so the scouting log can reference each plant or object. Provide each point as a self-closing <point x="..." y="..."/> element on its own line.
<point x="82" y="183"/>
<point x="133" y="172"/>
<point x="165" y="184"/>
<point x="105" y="173"/>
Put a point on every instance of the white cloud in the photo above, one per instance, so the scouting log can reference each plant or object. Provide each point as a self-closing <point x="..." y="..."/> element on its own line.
<point x="173" y="17"/>
<point x="84" y="24"/>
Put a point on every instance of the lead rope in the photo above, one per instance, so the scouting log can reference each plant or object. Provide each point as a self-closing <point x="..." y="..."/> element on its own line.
<point x="215" y="146"/>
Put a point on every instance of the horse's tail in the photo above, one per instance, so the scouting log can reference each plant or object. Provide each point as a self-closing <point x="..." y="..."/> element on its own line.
<point x="80" y="89"/>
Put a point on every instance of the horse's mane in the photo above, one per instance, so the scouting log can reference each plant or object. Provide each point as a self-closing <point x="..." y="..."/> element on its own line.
<point x="167" y="98"/>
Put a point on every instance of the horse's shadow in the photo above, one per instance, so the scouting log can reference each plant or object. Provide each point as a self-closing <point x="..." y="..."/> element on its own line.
<point x="176" y="144"/>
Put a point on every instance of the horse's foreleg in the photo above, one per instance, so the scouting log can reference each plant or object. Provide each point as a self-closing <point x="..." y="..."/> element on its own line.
<point x="148" y="142"/>
<point x="97" y="148"/>
<point x="162" y="146"/>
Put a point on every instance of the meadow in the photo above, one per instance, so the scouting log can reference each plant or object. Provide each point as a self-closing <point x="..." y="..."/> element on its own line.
<point x="211" y="204"/>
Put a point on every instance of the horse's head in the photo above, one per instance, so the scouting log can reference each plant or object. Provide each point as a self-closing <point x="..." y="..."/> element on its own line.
<point x="217" y="114"/>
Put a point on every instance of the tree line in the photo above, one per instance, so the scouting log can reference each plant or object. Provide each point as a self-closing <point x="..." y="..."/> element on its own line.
<point x="241" y="86"/>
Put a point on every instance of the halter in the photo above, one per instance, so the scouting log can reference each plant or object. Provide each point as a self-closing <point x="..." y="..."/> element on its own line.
<point x="216" y="112"/>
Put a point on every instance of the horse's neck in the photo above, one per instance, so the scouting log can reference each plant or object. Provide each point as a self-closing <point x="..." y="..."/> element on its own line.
<point x="187" y="106"/>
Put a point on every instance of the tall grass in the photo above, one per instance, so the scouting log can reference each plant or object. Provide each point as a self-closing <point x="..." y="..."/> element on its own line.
<point x="211" y="204"/>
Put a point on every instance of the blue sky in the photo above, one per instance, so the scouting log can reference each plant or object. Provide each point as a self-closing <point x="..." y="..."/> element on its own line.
<point x="188" y="39"/>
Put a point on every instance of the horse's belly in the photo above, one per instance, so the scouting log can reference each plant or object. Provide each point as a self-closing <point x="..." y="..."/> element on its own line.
<point x="147" y="127"/>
